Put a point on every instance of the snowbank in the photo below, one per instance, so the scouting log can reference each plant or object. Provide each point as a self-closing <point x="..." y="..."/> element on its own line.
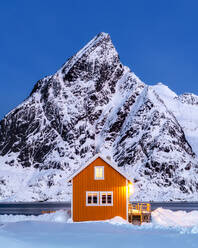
<point x="59" y="216"/>
<point x="163" y="218"/>
<point x="117" y="221"/>
<point x="168" y="218"/>
<point x="160" y="217"/>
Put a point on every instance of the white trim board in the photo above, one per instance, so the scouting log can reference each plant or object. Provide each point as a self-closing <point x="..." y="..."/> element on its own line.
<point x="93" y="159"/>
<point x="127" y="201"/>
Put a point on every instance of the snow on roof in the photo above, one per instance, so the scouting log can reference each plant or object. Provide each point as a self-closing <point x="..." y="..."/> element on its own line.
<point x="93" y="159"/>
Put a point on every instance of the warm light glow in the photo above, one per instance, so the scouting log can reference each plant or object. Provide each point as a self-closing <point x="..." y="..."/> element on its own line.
<point x="131" y="188"/>
<point x="99" y="172"/>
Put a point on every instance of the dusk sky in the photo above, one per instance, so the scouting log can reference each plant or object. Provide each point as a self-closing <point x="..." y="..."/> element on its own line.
<point x="157" y="39"/>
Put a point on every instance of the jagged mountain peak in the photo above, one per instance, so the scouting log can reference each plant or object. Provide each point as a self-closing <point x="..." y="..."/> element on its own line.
<point x="97" y="62"/>
<point x="95" y="103"/>
<point x="100" y="50"/>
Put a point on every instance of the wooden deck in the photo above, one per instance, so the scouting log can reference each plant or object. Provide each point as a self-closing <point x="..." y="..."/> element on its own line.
<point x="139" y="213"/>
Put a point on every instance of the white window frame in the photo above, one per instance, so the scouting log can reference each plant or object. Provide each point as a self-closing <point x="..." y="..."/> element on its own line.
<point x="92" y="204"/>
<point x="106" y="193"/>
<point x="95" y="178"/>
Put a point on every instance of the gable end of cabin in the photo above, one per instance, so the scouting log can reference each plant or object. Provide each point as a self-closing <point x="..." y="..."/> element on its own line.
<point x="100" y="192"/>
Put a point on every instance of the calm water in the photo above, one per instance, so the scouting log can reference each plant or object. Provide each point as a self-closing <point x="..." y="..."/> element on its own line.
<point x="36" y="208"/>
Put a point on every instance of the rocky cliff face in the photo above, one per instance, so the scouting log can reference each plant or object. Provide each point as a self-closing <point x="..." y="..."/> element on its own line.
<point x="94" y="103"/>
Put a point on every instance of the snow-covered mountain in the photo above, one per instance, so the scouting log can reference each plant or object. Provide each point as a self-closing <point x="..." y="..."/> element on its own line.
<point x="96" y="104"/>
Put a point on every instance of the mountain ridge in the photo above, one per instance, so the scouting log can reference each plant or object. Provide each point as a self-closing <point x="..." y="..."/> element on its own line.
<point x="94" y="103"/>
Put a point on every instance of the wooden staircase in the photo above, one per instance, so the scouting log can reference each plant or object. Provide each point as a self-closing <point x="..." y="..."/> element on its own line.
<point x="139" y="213"/>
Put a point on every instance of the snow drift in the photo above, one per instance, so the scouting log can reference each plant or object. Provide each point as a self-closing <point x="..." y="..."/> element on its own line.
<point x="168" y="218"/>
<point x="160" y="218"/>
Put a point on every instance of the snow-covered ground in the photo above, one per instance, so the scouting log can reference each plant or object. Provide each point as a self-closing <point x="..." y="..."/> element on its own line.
<point x="168" y="229"/>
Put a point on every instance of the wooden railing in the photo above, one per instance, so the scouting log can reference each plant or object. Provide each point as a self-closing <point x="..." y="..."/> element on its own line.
<point x="139" y="212"/>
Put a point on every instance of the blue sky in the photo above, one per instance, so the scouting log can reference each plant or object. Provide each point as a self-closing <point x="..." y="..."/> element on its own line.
<point x="157" y="39"/>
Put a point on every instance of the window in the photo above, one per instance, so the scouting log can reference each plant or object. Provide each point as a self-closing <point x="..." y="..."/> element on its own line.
<point x="106" y="198"/>
<point x="92" y="198"/>
<point x="99" y="172"/>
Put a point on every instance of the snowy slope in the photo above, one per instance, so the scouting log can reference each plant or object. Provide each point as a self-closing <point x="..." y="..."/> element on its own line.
<point x="185" y="109"/>
<point x="94" y="103"/>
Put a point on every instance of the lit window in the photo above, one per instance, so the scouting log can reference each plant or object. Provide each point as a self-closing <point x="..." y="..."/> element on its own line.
<point x="99" y="172"/>
<point x="92" y="198"/>
<point x="106" y="198"/>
